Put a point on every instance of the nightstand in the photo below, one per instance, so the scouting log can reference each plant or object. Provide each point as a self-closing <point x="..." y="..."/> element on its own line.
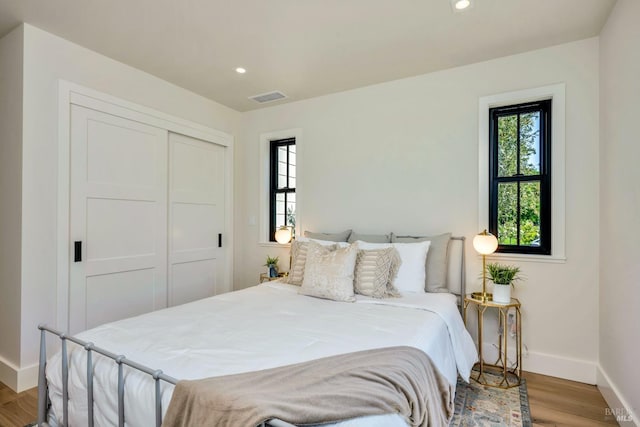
<point x="507" y="376"/>
<point x="264" y="277"/>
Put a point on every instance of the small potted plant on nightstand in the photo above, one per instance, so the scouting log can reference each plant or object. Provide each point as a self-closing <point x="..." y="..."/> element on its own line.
<point x="503" y="277"/>
<point x="272" y="266"/>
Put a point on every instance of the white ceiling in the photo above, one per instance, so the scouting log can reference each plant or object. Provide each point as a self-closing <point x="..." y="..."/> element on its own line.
<point x="304" y="48"/>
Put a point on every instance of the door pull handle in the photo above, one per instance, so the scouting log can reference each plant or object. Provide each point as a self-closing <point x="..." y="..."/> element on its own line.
<point x="77" y="251"/>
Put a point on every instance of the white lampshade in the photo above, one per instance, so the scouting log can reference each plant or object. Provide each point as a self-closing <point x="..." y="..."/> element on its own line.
<point x="485" y="243"/>
<point x="283" y="235"/>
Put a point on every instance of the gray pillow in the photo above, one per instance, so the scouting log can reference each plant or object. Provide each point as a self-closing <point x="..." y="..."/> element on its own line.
<point x="331" y="237"/>
<point x="436" y="259"/>
<point x="371" y="238"/>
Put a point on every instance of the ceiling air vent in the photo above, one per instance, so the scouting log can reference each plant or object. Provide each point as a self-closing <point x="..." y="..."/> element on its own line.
<point x="268" y="97"/>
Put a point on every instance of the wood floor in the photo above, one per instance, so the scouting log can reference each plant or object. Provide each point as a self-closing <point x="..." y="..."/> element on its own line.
<point x="557" y="402"/>
<point x="17" y="410"/>
<point x="553" y="402"/>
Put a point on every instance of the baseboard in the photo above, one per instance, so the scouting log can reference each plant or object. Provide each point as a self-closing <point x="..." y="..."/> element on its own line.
<point x="617" y="403"/>
<point x="28" y="377"/>
<point x="546" y="364"/>
<point x="568" y="368"/>
<point x="18" y="379"/>
<point x="8" y="374"/>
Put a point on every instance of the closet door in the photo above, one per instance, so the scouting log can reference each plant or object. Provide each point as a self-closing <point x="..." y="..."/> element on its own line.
<point x="196" y="218"/>
<point x="118" y="213"/>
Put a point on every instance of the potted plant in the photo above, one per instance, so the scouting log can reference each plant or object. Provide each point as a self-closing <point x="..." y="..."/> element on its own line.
<point x="503" y="277"/>
<point x="272" y="266"/>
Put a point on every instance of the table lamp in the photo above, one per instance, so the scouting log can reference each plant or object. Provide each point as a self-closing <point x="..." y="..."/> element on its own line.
<point x="283" y="236"/>
<point x="485" y="244"/>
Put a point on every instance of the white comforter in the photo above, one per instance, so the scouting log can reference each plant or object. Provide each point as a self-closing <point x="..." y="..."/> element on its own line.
<point x="261" y="327"/>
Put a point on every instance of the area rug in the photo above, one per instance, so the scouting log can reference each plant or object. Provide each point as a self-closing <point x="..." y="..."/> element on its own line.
<point x="481" y="406"/>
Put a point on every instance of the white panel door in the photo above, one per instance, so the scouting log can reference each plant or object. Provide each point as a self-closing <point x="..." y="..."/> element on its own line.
<point x="196" y="218"/>
<point x="118" y="210"/>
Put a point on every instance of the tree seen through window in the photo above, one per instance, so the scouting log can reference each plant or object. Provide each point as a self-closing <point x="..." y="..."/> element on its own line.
<point x="520" y="177"/>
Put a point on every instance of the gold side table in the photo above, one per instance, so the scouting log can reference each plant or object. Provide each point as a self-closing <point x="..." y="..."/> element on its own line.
<point x="264" y="277"/>
<point x="508" y="376"/>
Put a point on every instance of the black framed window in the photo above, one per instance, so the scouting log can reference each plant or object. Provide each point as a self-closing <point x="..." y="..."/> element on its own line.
<point x="520" y="177"/>
<point x="282" y="193"/>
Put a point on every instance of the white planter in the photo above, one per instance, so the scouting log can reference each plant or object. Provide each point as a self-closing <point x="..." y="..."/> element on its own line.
<point x="501" y="294"/>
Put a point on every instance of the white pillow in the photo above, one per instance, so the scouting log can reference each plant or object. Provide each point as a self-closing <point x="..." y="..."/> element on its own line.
<point x="323" y="242"/>
<point x="412" y="272"/>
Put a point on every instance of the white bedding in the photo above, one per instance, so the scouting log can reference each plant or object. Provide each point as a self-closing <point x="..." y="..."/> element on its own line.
<point x="261" y="327"/>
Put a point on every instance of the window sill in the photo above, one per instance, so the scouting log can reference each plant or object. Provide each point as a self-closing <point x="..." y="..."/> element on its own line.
<point x="544" y="259"/>
<point x="273" y="245"/>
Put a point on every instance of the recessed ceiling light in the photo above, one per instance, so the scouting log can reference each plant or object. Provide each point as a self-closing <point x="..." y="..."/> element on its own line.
<point x="241" y="70"/>
<point x="460" y="5"/>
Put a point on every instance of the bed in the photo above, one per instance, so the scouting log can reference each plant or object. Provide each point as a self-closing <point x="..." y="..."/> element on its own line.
<point x="266" y="326"/>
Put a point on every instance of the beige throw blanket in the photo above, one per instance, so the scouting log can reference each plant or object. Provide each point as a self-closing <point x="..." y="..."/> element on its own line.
<point x="373" y="382"/>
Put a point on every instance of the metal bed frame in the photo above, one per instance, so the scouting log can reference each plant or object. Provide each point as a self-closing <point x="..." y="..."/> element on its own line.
<point x="463" y="272"/>
<point x="121" y="361"/>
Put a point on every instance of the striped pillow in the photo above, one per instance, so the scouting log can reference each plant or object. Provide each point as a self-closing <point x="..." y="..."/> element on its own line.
<point x="375" y="271"/>
<point x="299" y="251"/>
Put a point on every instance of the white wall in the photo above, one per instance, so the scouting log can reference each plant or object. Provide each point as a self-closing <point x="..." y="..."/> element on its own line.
<point x="402" y="156"/>
<point x="620" y="208"/>
<point x="48" y="58"/>
<point x="10" y="201"/>
<point x="399" y="156"/>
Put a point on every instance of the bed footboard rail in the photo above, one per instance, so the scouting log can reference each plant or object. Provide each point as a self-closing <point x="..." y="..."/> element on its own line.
<point x="90" y="348"/>
<point x="120" y="360"/>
